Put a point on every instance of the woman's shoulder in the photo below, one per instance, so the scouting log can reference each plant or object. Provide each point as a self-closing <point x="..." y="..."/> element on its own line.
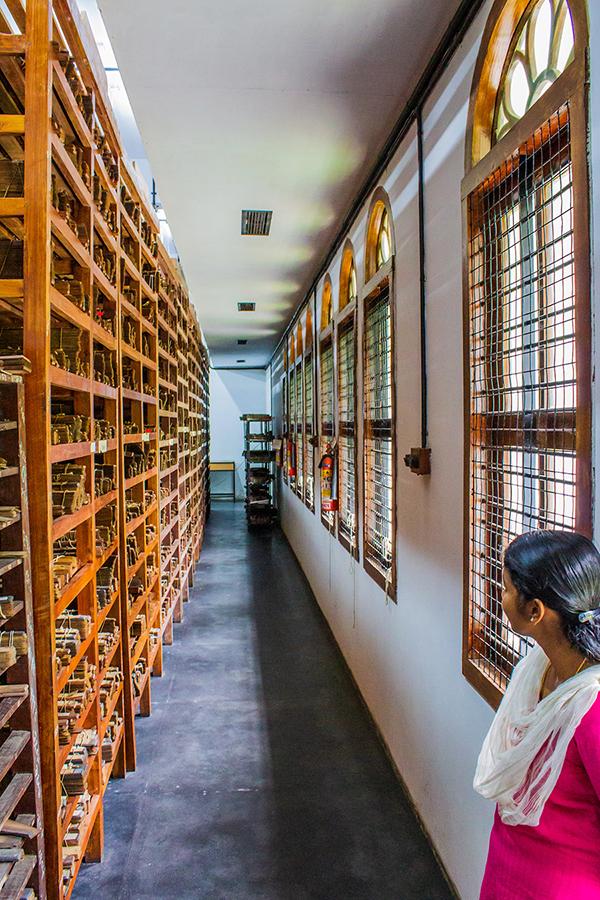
<point x="589" y="727"/>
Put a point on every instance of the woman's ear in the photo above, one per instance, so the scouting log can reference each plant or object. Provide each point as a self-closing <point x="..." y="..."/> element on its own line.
<point x="536" y="611"/>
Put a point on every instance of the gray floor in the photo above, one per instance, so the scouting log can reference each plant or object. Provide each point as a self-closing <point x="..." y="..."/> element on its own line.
<point x="260" y="775"/>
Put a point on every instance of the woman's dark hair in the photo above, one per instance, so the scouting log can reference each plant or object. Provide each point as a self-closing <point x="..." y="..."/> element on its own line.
<point x="562" y="569"/>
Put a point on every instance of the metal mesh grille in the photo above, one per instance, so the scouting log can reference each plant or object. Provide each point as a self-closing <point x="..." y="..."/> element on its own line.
<point x="292" y="478"/>
<point x="284" y="395"/>
<point x="327" y="389"/>
<point x="326" y="396"/>
<point x="378" y="453"/>
<point x="299" y="430"/>
<point x="346" y="437"/>
<point x="522" y="373"/>
<point x="309" y="455"/>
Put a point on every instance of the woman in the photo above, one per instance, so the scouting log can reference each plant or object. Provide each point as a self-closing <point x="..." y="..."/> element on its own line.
<point x="540" y="761"/>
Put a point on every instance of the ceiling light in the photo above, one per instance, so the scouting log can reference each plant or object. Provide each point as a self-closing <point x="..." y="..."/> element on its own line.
<point x="246" y="307"/>
<point x="256" y="221"/>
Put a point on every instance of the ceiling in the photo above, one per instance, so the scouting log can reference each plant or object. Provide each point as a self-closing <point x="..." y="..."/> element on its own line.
<point x="270" y="105"/>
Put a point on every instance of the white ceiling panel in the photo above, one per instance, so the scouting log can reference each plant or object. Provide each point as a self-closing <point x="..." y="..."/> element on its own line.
<point x="269" y="105"/>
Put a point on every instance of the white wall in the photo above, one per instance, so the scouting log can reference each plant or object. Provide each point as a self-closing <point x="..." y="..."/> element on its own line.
<point x="406" y="658"/>
<point x="234" y="392"/>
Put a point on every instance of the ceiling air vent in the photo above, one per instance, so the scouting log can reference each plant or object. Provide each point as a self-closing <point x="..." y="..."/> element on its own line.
<point x="240" y="360"/>
<point x="256" y="221"/>
<point x="241" y="342"/>
<point x="246" y="307"/>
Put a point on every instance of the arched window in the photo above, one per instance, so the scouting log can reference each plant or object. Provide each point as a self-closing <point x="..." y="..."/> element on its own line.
<point x="309" y="451"/>
<point x="348" y="283"/>
<point x="293" y="413"/>
<point x="299" y="413"/>
<point x="379" y="445"/>
<point x="384" y="241"/>
<point x="326" y="384"/>
<point x="527" y="308"/>
<point x="380" y="239"/>
<point x="285" y="412"/>
<point x="544" y="45"/>
<point x="326" y="310"/>
<point x="346" y="406"/>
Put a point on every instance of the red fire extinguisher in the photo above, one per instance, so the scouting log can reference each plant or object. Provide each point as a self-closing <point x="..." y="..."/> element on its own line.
<point x="328" y="467"/>
<point x="291" y="455"/>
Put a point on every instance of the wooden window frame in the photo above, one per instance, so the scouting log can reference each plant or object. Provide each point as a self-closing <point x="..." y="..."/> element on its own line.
<point x="483" y="157"/>
<point x="292" y="420"/>
<point x="299" y="486"/>
<point x="285" y="422"/>
<point x="381" y="280"/>
<point x="326" y="340"/>
<point x="309" y="363"/>
<point x="349" y="319"/>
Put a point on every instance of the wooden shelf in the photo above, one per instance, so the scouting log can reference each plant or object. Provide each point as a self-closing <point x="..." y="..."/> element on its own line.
<point x="9" y="706"/>
<point x="113" y="705"/>
<point x="68" y="310"/>
<point x="96" y="805"/>
<point x="64" y="162"/>
<point x="11" y="749"/>
<point x="8" y="563"/>
<point x="107" y="768"/>
<point x="64" y="524"/>
<point x="70" y="241"/>
<point x="105" y="285"/>
<point x="66" y="452"/>
<point x="74" y="113"/>
<point x="109" y="661"/>
<point x="12" y="794"/>
<point x="18" y="877"/>
<point x="65" y="749"/>
<point x="73" y="587"/>
<point x="68" y="671"/>
<point x="162" y="305"/>
<point x="107" y="610"/>
<point x="137" y="479"/>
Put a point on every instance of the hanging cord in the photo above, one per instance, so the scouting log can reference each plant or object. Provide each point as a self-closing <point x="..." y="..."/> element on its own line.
<point x="422" y="279"/>
<point x="330" y="560"/>
<point x="354" y="594"/>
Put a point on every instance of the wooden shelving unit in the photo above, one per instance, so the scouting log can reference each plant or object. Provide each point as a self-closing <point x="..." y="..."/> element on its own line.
<point x="204" y="439"/>
<point x="170" y="551"/>
<point x="139" y="451"/>
<point x="21" y="818"/>
<point x="259" y="461"/>
<point x="183" y="435"/>
<point x="115" y="464"/>
<point x="195" y="399"/>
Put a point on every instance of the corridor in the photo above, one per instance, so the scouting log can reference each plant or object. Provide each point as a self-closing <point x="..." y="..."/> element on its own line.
<point x="260" y="775"/>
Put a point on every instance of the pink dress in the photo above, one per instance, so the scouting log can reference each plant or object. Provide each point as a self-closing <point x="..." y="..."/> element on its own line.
<point x="560" y="858"/>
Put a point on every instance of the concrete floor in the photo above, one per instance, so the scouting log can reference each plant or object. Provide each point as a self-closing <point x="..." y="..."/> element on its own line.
<point x="260" y="776"/>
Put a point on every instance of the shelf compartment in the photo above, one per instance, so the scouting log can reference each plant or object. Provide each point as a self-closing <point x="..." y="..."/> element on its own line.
<point x="107" y="768"/>
<point x="12" y="794"/>
<point x="68" y="672"/>
<point x="63" y="90"/>
<point x="18" y="877"/>
<point x="9" y="706"/>
<point x="106" y="721"/>
<point x="67" y="523"/>
<point x="74" y="587"/>
<point x="11" y="749"/>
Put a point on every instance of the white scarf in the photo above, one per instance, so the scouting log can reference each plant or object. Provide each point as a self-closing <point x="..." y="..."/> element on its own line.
<point x="524" y="751"/>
